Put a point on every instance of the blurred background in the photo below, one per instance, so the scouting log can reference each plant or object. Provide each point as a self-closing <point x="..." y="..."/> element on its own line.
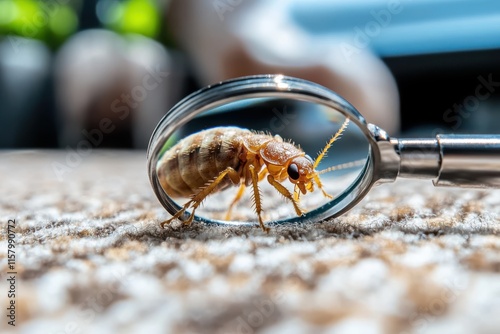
<point x="104" y="72"/>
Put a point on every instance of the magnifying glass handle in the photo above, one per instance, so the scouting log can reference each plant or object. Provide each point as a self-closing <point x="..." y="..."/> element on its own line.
<point x="451" y="160"/>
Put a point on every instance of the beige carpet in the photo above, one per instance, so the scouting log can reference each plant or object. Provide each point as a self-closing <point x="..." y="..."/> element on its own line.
<point x="91" y="258"/>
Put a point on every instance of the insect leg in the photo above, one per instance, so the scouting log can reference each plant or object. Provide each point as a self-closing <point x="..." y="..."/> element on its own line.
<point x="177" y="214"/>
<point x="296" y="193"/>
<point x="238" y="196"/>
<point x="262" y="174"/>
<point x="202" y="194"/>
<point x="320" y="186"/>
<point x="256" y="196"/>
<point x="283" y="191"/>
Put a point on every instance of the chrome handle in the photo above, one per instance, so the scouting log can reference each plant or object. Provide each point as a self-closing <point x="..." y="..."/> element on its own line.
<point x="451" y="160"/>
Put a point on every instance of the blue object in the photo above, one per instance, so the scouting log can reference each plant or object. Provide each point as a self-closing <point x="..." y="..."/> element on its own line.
<point x="404" y="27"/>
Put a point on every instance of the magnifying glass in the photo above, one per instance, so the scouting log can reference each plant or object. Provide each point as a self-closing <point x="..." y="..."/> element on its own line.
<point x="272" y="122"/>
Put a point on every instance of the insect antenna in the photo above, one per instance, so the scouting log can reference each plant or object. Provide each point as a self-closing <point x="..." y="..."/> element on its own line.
<point x="346" y="165"/>
<point x="322" y="154"/>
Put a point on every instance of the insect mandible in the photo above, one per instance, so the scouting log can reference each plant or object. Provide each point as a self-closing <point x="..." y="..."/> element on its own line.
<point x="212" y="160"/>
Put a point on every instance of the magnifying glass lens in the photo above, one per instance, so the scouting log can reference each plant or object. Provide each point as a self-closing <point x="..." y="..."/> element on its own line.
<point x="199" y="147"/>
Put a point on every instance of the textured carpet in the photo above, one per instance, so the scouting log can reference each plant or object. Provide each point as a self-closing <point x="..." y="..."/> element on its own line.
<point x="91" y="258"/>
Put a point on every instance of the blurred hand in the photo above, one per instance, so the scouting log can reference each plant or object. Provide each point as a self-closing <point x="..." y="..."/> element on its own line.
<point x="227" y="39"/>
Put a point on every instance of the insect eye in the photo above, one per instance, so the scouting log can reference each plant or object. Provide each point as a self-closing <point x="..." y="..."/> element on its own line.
<point x="293" y="171"/>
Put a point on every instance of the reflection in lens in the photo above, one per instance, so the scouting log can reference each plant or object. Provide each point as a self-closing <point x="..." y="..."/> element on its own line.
<point x="183" y="165"/>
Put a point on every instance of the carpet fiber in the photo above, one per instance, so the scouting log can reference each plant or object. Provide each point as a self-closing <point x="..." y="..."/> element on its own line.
<point x="91" y="258"/>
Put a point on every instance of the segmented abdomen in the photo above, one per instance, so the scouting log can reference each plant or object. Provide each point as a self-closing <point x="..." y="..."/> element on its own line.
<point x="200" y="158"/>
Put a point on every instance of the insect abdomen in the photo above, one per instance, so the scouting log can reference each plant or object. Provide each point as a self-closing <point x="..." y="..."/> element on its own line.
<point x="200" y="158"/>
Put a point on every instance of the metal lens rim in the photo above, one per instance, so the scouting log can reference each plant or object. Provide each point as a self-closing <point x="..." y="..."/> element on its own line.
<point x="256" y="87"/>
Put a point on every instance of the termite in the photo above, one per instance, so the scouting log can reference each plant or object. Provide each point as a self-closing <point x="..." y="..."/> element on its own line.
<point x="212" y="160"/>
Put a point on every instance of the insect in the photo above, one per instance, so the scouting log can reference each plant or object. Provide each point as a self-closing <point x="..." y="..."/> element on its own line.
<point x="212" y="160"/>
